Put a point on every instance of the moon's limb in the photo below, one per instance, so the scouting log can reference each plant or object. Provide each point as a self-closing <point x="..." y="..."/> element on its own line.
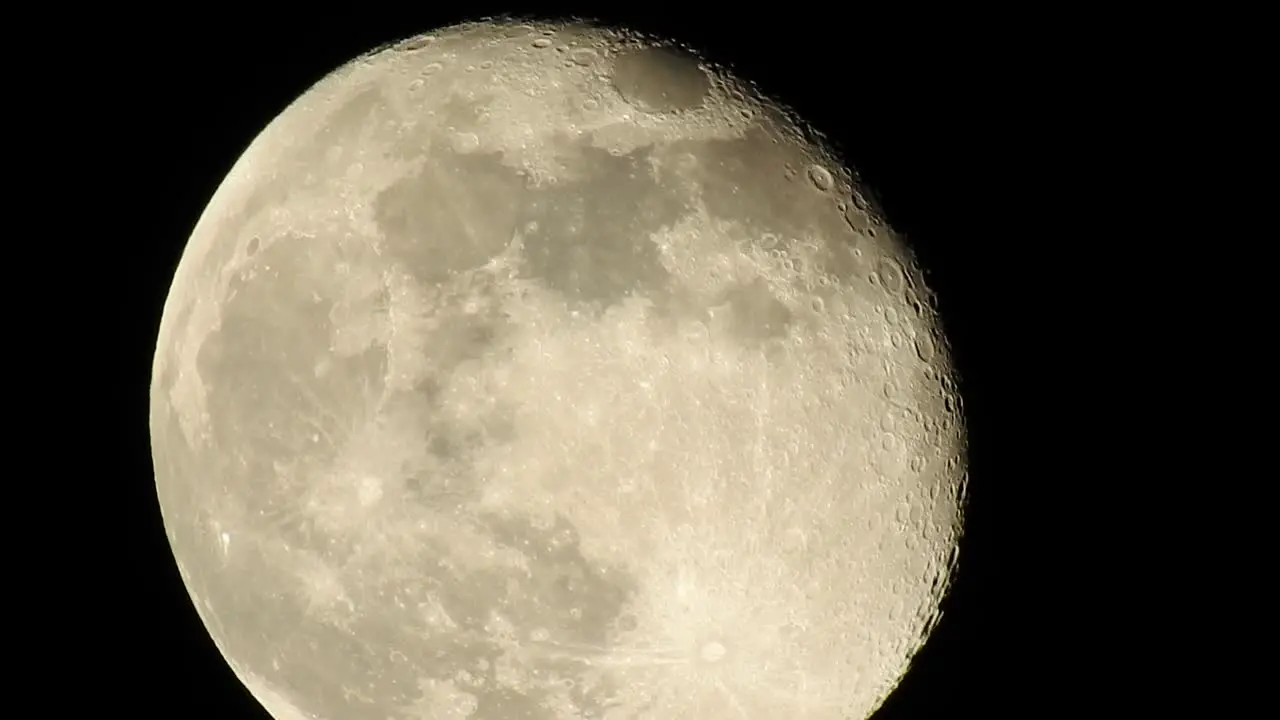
<point x="534" y="369"/>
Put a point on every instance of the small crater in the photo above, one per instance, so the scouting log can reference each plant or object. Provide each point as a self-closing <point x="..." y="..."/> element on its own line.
<point x="541" y="43"/>
<point x="713" y="652"/>
<point x="432" y="68"/>
<point x="925" y="347"/>
<point x="821" y="178"/>
<point x="660" y="79"/>
<point x="369" y="491"/>
<point x="891" y="276"/>
<point x="584" y="57"/>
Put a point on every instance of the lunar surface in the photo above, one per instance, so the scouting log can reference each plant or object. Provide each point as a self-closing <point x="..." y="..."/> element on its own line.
<point x="550" y="372"/>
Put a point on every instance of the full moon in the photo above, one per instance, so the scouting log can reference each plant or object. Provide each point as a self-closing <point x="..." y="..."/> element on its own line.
<point x="551" y="371"/>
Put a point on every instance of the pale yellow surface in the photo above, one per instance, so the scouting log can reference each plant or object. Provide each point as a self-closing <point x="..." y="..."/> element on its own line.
<point x="538" y="372"/>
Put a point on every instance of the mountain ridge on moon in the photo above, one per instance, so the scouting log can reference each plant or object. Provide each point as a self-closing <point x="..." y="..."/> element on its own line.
<point x="534" y="370"/>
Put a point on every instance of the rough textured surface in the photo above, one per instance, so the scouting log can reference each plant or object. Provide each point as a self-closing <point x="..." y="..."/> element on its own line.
<point x="543" y="372"/>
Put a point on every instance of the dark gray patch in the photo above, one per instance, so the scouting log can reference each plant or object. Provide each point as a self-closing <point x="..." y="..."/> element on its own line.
<point x="349" y="120"/>
<point x="756" y="316"/>
<point x="446" y="485"/>
<point x="668" y="311"/>
<point x="661" y="79"/>
<point x="746" y="179"/>
<point x="459" y="336"/>
<point x="447" y="478"/>
<point x="341" y="131"/>
<point x="455" y="214"/>
<point x="563" y="581"/>
<point x="469" y="599"/>
<point x="448" y="446"/>
<point x="506" y="703"/>
<point x="590" y="240"/>
<point x="587" y="239"/>
<point x="264" y="399"/>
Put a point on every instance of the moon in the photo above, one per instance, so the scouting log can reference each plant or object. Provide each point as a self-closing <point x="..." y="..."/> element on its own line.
<point x="550" y="371"/>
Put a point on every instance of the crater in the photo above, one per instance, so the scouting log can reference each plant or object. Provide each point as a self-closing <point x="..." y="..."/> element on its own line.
<point x="661" y="79"/>
<point x="712" y="652"/>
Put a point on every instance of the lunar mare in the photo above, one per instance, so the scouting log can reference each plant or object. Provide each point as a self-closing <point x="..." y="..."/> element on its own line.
<point x="546" y="371"/>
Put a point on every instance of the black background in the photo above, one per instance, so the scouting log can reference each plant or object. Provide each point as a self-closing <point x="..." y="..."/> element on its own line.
<point x="945" y="118"/>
